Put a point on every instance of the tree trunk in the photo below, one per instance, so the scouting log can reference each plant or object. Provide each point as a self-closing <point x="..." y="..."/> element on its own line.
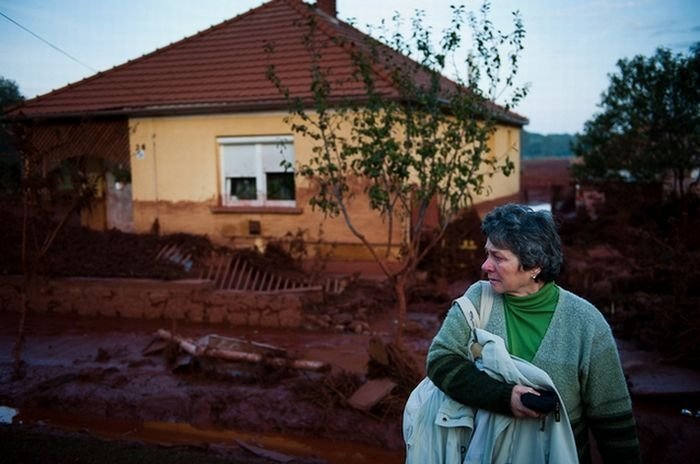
<point x="400" y="289"/>
<point x="17" y="352"/>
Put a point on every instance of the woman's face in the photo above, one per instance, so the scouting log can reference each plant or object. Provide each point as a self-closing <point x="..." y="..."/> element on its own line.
<point x="505" y="273"/>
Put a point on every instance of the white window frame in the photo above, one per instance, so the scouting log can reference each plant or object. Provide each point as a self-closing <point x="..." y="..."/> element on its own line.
<point x="259" y="172"/>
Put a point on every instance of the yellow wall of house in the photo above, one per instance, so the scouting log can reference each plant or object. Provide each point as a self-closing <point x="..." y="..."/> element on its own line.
<point x="177" y="181"/>
<point x="505" y="143"/>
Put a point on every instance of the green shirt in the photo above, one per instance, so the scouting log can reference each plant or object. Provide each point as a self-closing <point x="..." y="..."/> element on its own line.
<point x="528" y="318"/>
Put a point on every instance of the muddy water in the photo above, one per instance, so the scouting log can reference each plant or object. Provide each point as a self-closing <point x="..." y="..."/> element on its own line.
<point x="170" y="433"/>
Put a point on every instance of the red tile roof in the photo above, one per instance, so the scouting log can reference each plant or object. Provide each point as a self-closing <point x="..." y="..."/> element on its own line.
<point x="222" y="68"/>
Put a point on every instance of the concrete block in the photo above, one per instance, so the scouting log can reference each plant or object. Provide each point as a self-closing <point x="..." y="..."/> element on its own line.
<point x="268" y="318"/>
<point x="196" y="314"/>
<point x="176" y="308"/>
<point x="254" y="317"/>
<point x="98" y="293"/>
<point x="106" y="308"/>
<point x="158" y="296"/>
<point x="290" y="317"/>
<point x="131" y="311"/>
<point x="237" y="316"/>
<point x="84" y="307"/>
<point x="154" y="311"/>
<point x="61" y="307"/>
<point x="216" y="314"/>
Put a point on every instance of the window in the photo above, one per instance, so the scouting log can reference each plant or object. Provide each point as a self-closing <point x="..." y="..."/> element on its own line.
<point x="257" y="171"/>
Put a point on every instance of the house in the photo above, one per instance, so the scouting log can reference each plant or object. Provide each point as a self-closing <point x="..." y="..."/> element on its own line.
<point x="192" y="134"/>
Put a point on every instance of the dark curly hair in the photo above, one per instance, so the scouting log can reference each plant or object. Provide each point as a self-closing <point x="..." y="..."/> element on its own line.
<point x="531" y="235"/>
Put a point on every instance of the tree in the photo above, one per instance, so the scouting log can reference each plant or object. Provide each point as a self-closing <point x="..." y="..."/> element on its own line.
<point x="9" y="164"/>
<point x="535" y="145"/>
<point x="9" y="93"/>
<point x="421" y="140"/>
<point x="43" y="175"/>
<point x="649" y="124"/>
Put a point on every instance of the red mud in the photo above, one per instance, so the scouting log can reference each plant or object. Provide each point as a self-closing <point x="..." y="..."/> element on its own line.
<point x="641" y="269"/>
<point x="90" y="374"/>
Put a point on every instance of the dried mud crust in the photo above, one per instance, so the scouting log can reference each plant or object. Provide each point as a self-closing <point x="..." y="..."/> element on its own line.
<point x="102" y="374"/>
<point x="82" y="252"/>
<point x="78" y="251"/>
<point x="96" y="369"/>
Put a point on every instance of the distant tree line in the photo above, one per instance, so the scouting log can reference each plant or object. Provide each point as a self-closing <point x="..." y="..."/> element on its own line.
<point x="540" y="146"/>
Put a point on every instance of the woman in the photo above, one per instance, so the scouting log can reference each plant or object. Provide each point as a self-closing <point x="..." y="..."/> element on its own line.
<point x="552" y="328"/>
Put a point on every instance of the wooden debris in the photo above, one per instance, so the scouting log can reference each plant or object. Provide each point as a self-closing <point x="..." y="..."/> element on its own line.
<point x="377" y="351"/>
<point x="395" y="362"/>
<point x="214" y="342"/>
<point x="371" y="393"/>
<point x="174" y="254"/>
<point x="156" y="346"/>
<point x="236" y="271"/>
<point x="231" y="349"/>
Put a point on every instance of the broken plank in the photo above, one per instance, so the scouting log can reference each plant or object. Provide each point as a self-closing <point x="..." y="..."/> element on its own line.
<point x="371" y="393"/>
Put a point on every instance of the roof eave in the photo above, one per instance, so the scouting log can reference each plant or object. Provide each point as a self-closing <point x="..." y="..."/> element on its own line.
<point x="189" y="109"/>
<point x="155" y="110"/>
<point x="513" y="119"/>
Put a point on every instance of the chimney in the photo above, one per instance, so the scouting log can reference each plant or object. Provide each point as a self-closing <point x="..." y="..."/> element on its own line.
<point x="328" y="7"/>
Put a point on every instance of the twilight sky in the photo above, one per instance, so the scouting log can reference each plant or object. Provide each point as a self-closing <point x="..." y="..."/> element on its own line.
<point x="570" y="47"/>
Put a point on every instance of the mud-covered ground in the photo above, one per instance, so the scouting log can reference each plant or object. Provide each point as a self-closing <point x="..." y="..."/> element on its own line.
<point x="90" y="377"/>
<point x="638" y="261"/>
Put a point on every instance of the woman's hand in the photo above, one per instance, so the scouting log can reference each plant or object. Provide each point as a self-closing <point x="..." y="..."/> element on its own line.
<point x="516" y="405"/>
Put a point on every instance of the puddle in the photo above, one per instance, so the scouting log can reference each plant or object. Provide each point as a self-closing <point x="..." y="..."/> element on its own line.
<point x="172" y="433"/>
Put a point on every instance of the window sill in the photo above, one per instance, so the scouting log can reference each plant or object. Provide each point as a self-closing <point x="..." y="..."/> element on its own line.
<point x="256" y="210"/>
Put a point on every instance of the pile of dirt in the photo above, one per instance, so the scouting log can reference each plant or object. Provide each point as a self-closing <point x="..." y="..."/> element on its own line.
<point x="81" y="252"/>
<point x="78" y="251"/>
